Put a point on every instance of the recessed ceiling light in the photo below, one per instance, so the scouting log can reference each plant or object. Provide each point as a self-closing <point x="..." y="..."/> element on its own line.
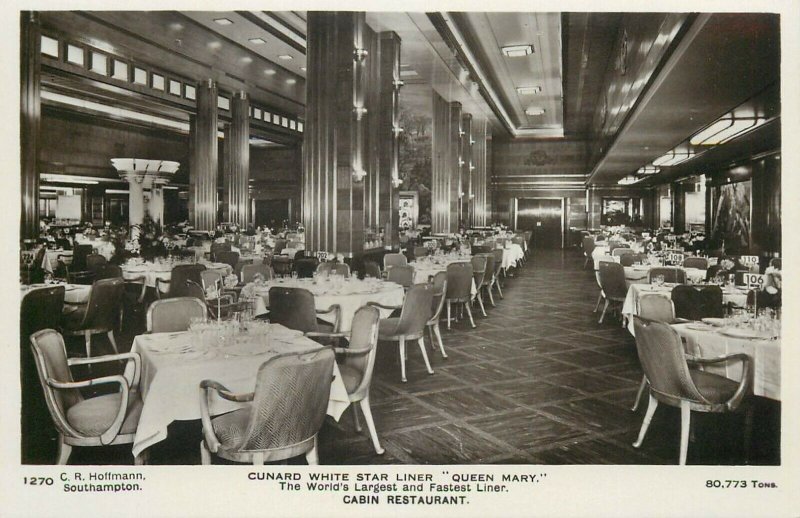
<point x="223" y="21"/>
<point x="291" y="81"/>
<point x="529" y="90"/>
<point x="285" y="57"/>
<point x="269" y="72"/>
<point x="175" y="26"/>
<point x="246" y="59"/>
<point x="257" y="41"/>
<point x="534" y="110"/>
<point x="214" y="45"/>
<point x="303" y="69"/>
<point x="516" y="51"/>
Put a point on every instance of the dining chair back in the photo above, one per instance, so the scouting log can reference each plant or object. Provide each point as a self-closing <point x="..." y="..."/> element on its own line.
<point x="280" y="244"/>
<point x="439" y="283"/>
<point x="391" y="260"/>
<point x="294" y="308"/>
<point x="79" y="256"/>
<point x="372" y="269"/>
<point x="109" y="271"/>
<point x="481" y="249"/>
<point x="249" y="272"/>
<point x="631" y="259"/>
<point x="588" y="246"/>
<point x="175" y="314"/>
<point x="478" y="269"/>
<point x="420" y="251"/>
<point x="620" y="251"/>
<point x="459" y="281"/>
<point x="402" y="275"/>
<point x="334" y="268"/>
<point x="228" y="257"/>
<point x="305" y="266"/>
<point x="653" y="306"/>
<point x="209" y="278"/>
<point x="182" y="273"/>
<point x="95" y="262"/>
<point x="357" y="366"/>
<point x="776" y="262"/>
<point x="288" y="407"/>
<point x="701" y="263"/>
<point x="41" y="309"/>
<point x="217" y="248"/>
<point x="612" y="280"/>
<point x="697" y="302"/>
<point x="415" y="313"/>
<point x="671" y="274"/>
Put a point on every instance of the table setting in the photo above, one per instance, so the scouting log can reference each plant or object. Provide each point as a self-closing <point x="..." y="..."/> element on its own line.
<point x="73" y="293"/>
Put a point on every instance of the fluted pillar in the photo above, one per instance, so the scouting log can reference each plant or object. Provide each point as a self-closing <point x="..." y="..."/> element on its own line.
<point x="479" y="175"/>
<point x="238" y="161"/>
<point x="389" y="145"/>
<point x="135" y="199"/>
<point x="465" y="217"/>
<point x="203" y="173"/>
<point x="30" y="121"/>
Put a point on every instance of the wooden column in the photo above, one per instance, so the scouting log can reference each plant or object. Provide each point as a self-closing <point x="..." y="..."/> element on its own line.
<point x="225" y="166"/>
<point x="334" y="145"/>
<point x="203" y="175"/>
<point x="445" y="168"/>
<point x="479" y="173"/>
<point x="389" y="148"/>
<point x="466" y="170"/>
<point x="238" y="161"/>
<point x="30" y="121"/>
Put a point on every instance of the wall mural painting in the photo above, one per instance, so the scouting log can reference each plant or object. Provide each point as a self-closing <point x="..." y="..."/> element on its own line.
<point x="731" y="227"/>
<point x="415" y="159"/>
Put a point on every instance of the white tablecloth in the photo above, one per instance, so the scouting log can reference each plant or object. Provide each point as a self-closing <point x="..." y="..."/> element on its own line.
<point x="352" y="295"/>
<point x="50" y="262"/>
<point x="73" y="293"/>
<point x="511" y="255"/>
<point x="426" y="270"/>
<point x="163" y="271"/>
<point x="170" y="381"/>
<point x="291" y="252"/>
<point x="104" y="248"/>
<point x="639" y="274"/>
<point x="631" y="305"/>
<point x="709" y="342"/>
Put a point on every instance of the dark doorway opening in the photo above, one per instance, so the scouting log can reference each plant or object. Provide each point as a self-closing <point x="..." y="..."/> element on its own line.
<point x="544" y="217"/>
<point x="272" y="213"/>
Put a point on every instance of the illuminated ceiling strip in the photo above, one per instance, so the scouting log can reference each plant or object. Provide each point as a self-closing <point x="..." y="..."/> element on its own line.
<point x="724" y="130"/>
<point x="279" y="27"/>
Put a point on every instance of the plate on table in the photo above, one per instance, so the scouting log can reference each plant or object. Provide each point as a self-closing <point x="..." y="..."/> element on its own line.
<point x="737" y="332"/>
<point x="718" y="322"/>
<point x="698" y="327"/>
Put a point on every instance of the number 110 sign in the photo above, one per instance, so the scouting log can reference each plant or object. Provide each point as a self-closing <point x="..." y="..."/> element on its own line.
<point x="754" y="280"/>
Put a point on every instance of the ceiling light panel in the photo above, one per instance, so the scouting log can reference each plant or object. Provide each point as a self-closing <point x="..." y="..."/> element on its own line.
<point x="529" y="90"/>
<point x="534" y="110"/>
<point x="223" y="21"/>
<point x="257" y="41"/>
<point x="517" y="51"/>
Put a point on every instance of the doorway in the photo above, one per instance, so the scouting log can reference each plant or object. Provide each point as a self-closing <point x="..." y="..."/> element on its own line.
<point x="544" y="217"/>
<point x="272" y="213"/>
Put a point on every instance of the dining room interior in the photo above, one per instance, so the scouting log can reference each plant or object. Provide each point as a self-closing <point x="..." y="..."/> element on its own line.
<point x="346" y="238"/>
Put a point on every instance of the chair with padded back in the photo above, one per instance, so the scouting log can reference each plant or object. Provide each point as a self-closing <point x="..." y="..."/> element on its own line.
<point x="333" y="268"/>
<point x="612" y="284"/>
<point x="674" y="383"/>
<point x="498" y="268"/>
<point x="283" y="416"/>
<point x="95" y="262"/>
<point x="459" y="288"/>
<point x="620" y="251"/>
<point x="671" y="274"/>
<point x="228" y="257"/>
<point x="220" y="307"/>
<point x="439" y="284"/>
<point x="282" y="265"/>
<point x="103" y="420"/>
<point x="601" y="296"/>
<point x="478" y="274"/>
<point x="177" y="281"/>
<point x="78" y="271"/>
<point x="390" y="260"/>
<point x="175" y="314"/>
<point x="372" y="269"/>
<point x="420" y="251"/>
<point x="480" y="249"/>
<point x="356" y="363"/>
<point x="249" y="272"/>
<point x="402" y="275"/>
<point x="697" y="302"/>
<point x="98" y="315"/>
<point x="410" y="325"/>
<point x="653" y="306"/>
<point x="295" y="309"/>
<point x="217" y="248"/>
<point x="588" y="248"/>
<point x="631" y="259"/>
<point x="488" y="279"/>
<point x="305" y="266"/>
<point x="701" y="263"/>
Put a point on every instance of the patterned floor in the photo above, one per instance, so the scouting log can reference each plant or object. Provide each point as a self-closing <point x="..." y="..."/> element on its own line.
<point x="538" y="381"/>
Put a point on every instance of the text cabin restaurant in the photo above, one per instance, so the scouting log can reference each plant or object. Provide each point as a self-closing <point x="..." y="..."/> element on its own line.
<point x="344" y="238"/>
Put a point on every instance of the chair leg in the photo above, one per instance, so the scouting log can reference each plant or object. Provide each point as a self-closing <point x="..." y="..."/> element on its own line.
<point x="448" y="315"/>
<point x="438" y="333"/>
<point x="639" y="394"/>
<point x="651" y="409"/>
<point x="469" y="312"/>
<point x="686" y="421"/>
<point x="430" y="335"/>
<point x="603" y="314"/>
<point x="312" y="457"/>
<point x="491" y="297"/>
<point x="64" y="451"/>
<point x="480" y="302"/>
<point x="499" y="289"/>
<point x="355" y="418"/>
<point x="87" y="336"/>
<point x="373" y="433"/>
<point x="421" y="342"/>
<point x="402" y="346"/>
<point x="113" y="342"/>
<point x="748" y="432"/>
<point x="205" y="455"/>
<point x="599" y="299"/>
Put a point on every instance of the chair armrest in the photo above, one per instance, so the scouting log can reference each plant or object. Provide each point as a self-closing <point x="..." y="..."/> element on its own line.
<point x="205" y="416"/>
<point x="314" y="334"/>
<point x="225" y="393"/>
<point x="352" y="352"/>
<point x="140" y="280"/>
<point x="333" y="308"/>
<point x="108" y="436"/>
<point x="137" y="363"/>
<point x="159" y="282"/>
<point x="744" y="382"/>
<point x="383" y="306"/>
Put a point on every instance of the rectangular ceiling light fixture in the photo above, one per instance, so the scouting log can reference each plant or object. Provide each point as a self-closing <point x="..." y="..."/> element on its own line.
<point x="528" y="90"/>
<point x="725" y="129"/>
<point x="257" y="41"/>
<point x="673" y="158"/>
<point x="534" y="110"/>
<point x="223" y="21"/>
<point x="517" y="51"/>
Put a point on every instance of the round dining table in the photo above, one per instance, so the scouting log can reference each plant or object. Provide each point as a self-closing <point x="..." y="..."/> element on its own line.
<point x="163" y="271"/>
<point x="73" y="293"/>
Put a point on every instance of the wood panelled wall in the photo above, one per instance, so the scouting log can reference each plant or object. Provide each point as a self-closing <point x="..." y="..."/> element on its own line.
<point x="389" y="149"/>
<point x="30" y="123"/>
<point x="238" y="162"/>
<point x="443" y="169"/>
<point x="204" y="159"/>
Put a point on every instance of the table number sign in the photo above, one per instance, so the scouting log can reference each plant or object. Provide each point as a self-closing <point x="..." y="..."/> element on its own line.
<point x="676" y="259"/>
<point x="322" y="256"/>
<point x="754" y="280"/>
<point x="749" y="260"/>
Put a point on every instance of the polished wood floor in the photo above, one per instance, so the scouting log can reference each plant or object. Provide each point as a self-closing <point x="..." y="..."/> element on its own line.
<point x="539" y="381"/>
